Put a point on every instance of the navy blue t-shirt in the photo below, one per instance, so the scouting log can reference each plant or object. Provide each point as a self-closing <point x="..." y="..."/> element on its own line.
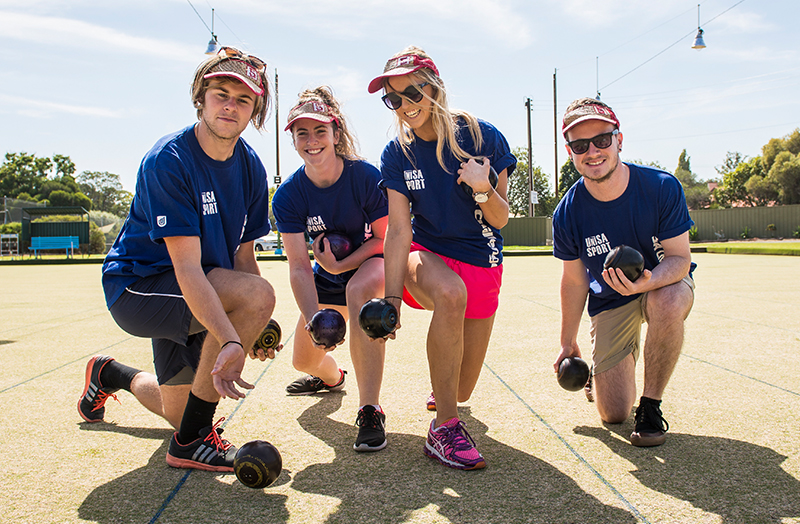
<point x="349" y="206"/>
<point x="181" y="191"/>
<point x="652" y="208"/>
<point x="446" y="219"/>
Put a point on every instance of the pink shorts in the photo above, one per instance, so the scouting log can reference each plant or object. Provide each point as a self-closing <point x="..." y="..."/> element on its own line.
<point x="483" y="285"/>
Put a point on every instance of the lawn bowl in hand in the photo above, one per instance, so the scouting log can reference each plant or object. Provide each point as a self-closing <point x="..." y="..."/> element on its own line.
<point x="626" y="258"/>
<point x="378" y="318"/>
<point x="328" y="327"/>
<point x="270" y="338"/>
<point x="573" y="373"/>
<point x="341" y="245"/>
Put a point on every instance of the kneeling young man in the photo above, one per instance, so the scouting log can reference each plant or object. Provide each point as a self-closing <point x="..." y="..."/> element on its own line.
<point x="183" y="272"/>
<point x="617" y="203"/>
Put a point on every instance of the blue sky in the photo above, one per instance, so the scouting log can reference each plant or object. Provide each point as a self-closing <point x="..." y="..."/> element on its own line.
<point x="102" y="81"/>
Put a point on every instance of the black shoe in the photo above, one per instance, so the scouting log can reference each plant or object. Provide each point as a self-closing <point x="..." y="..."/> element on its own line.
<point x="91" y="406"/>
<point x="208" y="452"/>
<point x="310" y="384"/>
<point x="650" y="428"/>
<point x="371" y="429"/>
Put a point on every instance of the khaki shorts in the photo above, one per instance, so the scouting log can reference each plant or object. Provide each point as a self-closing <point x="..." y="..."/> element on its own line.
<point x="616" y="333"/>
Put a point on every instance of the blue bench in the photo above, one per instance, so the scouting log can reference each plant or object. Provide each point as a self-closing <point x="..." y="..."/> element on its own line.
<point x="41" y="243"/>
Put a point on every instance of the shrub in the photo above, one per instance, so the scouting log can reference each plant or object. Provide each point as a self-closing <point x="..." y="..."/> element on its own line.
<point x="693" y="234"/>
<point x="745" y="232"/>
<point x="796" y="233"/>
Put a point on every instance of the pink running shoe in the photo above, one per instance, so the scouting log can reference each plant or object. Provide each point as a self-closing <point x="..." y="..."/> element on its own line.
<point x="451" y="445"/>
<point x="431" y="403"/>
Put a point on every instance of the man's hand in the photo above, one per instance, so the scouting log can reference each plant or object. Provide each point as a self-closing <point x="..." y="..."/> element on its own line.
<point x="227" y="372"/>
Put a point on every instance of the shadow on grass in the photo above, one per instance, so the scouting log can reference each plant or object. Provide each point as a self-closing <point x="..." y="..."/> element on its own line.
<point x="141" y="494"/>
<point x="739" y="481"/>
<point x="390" y="485"/>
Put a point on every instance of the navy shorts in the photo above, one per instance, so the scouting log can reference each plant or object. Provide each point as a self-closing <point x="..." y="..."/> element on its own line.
<point x="154" y="308"/>
<point x="334" y="293"/>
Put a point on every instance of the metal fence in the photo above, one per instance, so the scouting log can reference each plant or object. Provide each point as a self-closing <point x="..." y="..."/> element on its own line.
<point x="528" y="231"/>
<point x="720" y="224"/>
<point x="712" y="224"/>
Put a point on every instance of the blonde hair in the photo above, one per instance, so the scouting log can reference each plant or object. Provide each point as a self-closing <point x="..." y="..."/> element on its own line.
<point x="348" y="145"/>
<point x="443" y="118"/>
<point x="200" y="86"/>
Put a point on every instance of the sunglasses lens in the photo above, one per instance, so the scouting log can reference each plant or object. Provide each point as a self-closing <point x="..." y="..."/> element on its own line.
<point x="392" y="100"/>
<point x="413" y="94"/>
<point x="602" y="141"/>
<point x="579" y="147"/>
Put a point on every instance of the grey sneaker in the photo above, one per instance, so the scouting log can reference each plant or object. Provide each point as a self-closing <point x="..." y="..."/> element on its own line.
<point x="310" y="384"/>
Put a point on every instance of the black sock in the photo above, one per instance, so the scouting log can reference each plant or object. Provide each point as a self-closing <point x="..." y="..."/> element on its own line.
<point x="117" y="376"/>
<point x="649" y="400"/>
<point x="197" y="415"/>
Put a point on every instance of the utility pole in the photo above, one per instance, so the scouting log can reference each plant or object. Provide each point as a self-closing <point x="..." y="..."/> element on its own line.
<point x="277" y="179"/>
<point x="555" y="134"/>
<point x="530" y="160"/>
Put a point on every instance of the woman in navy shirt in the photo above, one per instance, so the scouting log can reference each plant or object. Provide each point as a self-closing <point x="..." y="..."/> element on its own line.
<point x="334" y="191"/>
<point x="448" y="259"/>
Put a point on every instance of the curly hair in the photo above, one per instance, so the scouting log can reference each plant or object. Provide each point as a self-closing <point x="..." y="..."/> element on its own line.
<point x="348" y="145"/>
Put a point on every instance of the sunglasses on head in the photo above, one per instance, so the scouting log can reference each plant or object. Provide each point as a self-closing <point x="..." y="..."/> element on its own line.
<point x="581" y="145"/>
<point x="413" y="93"/>
<point x="232" y="52"/>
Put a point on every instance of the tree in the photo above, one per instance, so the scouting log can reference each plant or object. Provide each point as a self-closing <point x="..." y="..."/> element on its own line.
<point x="697" y="193"/>
<point x="785" y="174"/>
<point x="23" y="173"/>
<point x="733" y="189"/>
<point x="105" y="191"/>
<point x="762" y="190"/>
<point x="518" y="188"/>
<point x="569" y="175"/>
<point x="684" y="171"/>
<point x="775" y="146"/>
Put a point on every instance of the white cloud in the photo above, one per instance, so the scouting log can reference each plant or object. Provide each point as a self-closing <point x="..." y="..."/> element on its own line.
<point x="42" y="109"/>
<point x="69" y="32"/>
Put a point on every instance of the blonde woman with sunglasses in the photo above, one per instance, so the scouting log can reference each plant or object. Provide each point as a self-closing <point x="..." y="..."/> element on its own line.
<point x="452" y="170"/>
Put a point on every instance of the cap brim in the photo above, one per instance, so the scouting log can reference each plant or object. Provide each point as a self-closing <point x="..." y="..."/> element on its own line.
<point x="588" y="117"/>
<point x="311" y="116"/>
<point x="258" y="91"/>
<point x="377" y="83"/>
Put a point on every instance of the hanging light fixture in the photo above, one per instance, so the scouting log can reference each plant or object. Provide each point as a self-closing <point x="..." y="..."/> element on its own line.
<point x="698" y="40"/>
<point x="213" y="45"/>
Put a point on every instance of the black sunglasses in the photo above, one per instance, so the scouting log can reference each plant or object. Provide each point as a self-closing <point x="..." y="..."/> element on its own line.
<point x="581" y="145"/>
<point x="413" y="92"/>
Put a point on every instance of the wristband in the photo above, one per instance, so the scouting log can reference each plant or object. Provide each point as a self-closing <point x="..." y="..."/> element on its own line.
<point x="392" y="296"/>
<point x="232" y="342"/>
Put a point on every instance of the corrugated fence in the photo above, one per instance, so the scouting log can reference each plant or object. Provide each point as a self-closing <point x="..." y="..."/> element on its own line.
<point x="712" y="224"/>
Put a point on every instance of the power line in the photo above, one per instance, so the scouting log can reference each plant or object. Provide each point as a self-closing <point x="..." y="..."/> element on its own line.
<point x="669" y="46"/>
<point x="200" y="17"/>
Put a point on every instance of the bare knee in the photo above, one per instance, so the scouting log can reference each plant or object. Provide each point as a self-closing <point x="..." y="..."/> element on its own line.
<point x="262" y="301"/>
<point x="452" y="298"/>
<point x="670" y="303"/>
